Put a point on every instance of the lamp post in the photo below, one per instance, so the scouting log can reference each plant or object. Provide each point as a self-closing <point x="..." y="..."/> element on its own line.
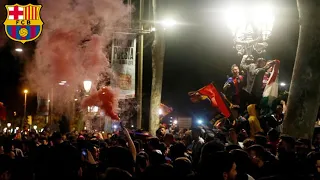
<point x="25" y="106"/>
<point x="158" y="53"/>
<point x="251" y="28"/>
<point x="140" y="66"/>
<point x="87" y="87"/>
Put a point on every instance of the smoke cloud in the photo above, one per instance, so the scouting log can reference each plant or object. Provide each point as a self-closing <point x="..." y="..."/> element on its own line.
<point x="72" y="47"/>
<point x="106" y="99"/>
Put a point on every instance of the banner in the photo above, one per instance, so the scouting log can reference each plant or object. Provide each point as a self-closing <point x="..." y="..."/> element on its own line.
<point x="123" y="63"/>
<point x="43" y="106"/>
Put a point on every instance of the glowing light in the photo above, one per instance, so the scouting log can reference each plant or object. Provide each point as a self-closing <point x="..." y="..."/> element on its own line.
<point x="200" y="121"/>
<point x="115" y="126"/>
<point x="175" y="122"/>
<point x="35" y="127"/>
<point x="18" y="49"/>
<point x="25" y="91"/>
<point x="87" y="86"/>
<point x="8" y="125"/>
<point x="235" y="18"/>
<point x="75" y="99"/>
<point x="160" y="111"/>
<point x="262" y="16"/>
<point x="167" y="23"/>
<point x="95" y="109"/>
<point x="283" y="84"/>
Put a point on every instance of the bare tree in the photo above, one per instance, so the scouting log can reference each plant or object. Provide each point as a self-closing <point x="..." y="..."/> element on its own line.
<point x="158" y="51"/>
<point x="304" y="94"/>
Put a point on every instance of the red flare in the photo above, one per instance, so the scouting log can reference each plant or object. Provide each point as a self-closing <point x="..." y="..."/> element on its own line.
<point x="105" y="99"/>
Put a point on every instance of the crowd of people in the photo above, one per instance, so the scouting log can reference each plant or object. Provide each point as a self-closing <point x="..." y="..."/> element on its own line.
<point x="198" y="153"/>
<point x="245" y="147"/>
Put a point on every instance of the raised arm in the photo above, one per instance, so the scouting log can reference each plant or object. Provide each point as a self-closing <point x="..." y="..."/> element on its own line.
<point x="244" y="63"/>
<point x="265" y="68"/>
<point x="226" y="85"/>
<point x="132" y="148"/>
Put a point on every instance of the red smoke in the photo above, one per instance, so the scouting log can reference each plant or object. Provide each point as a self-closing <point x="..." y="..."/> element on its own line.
<point x="105" y="99"/>
<point x="73" y="45"/>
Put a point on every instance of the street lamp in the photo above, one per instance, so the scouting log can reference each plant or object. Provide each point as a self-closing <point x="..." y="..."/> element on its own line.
<point x="167" y="23"/>
<point x="283" y="84"/>
<point x="8" y="125"/>
<point x="18" y="50"/>
<point x="87" y="86"/>
<point x="251" y="27"/>
<point x="175" y="122"/>
<point x="25" y="105"/>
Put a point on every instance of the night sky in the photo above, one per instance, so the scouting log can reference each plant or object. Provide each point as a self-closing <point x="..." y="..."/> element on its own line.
<point x="198" y="51"/>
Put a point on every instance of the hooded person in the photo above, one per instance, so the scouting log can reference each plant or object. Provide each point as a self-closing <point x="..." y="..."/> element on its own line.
<point x="253" y="120"/>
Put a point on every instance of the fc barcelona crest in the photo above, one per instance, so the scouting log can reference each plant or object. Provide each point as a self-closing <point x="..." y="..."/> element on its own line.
<point x="23" y="23"/>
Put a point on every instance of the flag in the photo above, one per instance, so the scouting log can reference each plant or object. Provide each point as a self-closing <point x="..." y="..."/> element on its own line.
<point x="165" y="110"/>
<point x="214" y="97"/>
<point x="270" y="92"/>
<point x="195" y="97"/>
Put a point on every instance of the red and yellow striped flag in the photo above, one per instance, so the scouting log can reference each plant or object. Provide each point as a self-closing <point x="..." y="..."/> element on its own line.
<point x="31" y="13"/>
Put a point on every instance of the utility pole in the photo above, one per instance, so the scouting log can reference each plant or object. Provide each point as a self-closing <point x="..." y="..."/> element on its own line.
<point x="140" y="65"/>
<point x="25" y="107"/>
<point x="51" y="108"/>
<point x="158" y="51"/>
<point x="304" y="94"/>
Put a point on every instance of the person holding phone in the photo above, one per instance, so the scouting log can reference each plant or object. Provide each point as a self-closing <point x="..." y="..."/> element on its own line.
<point x="131" y="145"/>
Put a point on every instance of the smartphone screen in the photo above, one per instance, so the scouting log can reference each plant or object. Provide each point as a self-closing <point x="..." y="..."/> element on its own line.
<point x="84" y="153"/>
